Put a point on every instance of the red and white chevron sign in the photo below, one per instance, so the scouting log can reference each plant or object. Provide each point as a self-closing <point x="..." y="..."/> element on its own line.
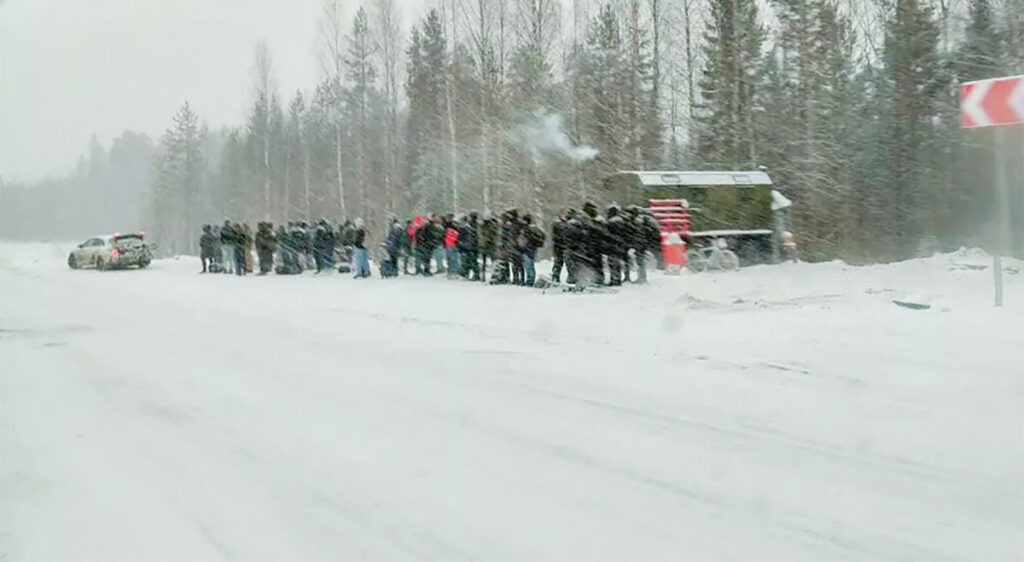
<point x="997" y="101"/>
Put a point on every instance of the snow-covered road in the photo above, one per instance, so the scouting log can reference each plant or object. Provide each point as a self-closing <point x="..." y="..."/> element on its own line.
<point x="779" y="413"/>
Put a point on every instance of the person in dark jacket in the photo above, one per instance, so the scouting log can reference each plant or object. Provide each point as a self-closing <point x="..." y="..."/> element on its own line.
<point x="487" y="235"/>
<point x="266" y="244"/>
<point x="596" y="233"/>
<point x="393" y="243"/>
<point x="558" y="246"/>
<point x="428" y="238"/>
<point x="310" y="240"/>
<point x="249" y="240"/>
<point x="513" y="245"/>
<point x="296" y="242"/>
<point x="323" y="246"/>
<point x="630" y="236"/>
<point x="601" y="249"/>
<point x="532" y="237"/>
<point x="637" y="241"/>
<point x="650" y="232"/>
<point x="507" y="251"/>
<point x="239" y="243"/>
<point x="347" y="236"/>
<point x="227" y="246"/>
<point x="284" y="247"/>
<point x="469" y="252"/>
<point x="207" y="248"/>
<point x="615" y="247"/>
<point x="573" y="240"/>
<point x="409" y="252"/>
<point x="330" y="244"/>
<point x="301" y="242"/>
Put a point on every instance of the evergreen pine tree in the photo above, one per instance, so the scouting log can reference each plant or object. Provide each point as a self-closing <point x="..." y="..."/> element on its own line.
<point x="733" y="41"/>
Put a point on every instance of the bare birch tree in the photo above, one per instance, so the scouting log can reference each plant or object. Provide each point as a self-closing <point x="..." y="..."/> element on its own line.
<point x="331" y="55"/>
<point x="387" y="31"/>
<point x="264" y="90"/>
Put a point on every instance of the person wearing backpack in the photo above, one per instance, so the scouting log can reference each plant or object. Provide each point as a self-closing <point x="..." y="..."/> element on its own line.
<point x="533" y="239"/>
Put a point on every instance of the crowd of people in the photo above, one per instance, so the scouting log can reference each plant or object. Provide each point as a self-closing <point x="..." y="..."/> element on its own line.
<point x="592" y="248"/>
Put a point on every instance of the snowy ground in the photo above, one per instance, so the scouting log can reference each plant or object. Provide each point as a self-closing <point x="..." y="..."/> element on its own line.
<point x="779" y="413"/>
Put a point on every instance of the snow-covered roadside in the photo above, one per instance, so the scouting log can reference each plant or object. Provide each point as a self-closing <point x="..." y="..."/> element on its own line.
<point x="780" y="412"/>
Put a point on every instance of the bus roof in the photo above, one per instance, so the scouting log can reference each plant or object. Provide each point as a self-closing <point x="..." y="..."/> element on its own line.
<point x="697" y="179"/>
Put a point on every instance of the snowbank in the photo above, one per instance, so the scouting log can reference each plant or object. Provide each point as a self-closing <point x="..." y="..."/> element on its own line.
<point x="779" y="412"/>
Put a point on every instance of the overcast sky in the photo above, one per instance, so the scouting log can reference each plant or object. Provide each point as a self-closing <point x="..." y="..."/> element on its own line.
<point x="71" y="68"/>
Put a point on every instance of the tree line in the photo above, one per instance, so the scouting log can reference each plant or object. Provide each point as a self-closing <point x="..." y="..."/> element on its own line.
<point x="106" y="191"/>
<point x="851" y="106"/>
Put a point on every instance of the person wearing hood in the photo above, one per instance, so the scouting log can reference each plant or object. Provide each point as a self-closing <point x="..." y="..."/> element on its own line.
<point x="362" y="255"/>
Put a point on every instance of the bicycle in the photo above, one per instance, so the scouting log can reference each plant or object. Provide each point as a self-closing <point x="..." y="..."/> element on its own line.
<point x="713" y="255"/>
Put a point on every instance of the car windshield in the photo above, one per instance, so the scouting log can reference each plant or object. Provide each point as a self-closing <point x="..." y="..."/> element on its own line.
<point x="128" y="242"/>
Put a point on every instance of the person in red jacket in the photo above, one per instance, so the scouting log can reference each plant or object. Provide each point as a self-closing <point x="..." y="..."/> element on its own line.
<point x="411" y="248"/>
<point x="451" y="238"/>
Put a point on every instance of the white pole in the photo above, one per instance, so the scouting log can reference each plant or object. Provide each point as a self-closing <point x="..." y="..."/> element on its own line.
<point x="1002" y="241"/>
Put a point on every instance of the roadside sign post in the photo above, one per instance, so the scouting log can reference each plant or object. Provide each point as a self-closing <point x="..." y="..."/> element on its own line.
<point x="1002" y="208"/>
<point x="996" y="102"/>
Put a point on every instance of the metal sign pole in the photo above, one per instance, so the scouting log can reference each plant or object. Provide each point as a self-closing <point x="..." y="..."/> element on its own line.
<point x="1002" y="238"/>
